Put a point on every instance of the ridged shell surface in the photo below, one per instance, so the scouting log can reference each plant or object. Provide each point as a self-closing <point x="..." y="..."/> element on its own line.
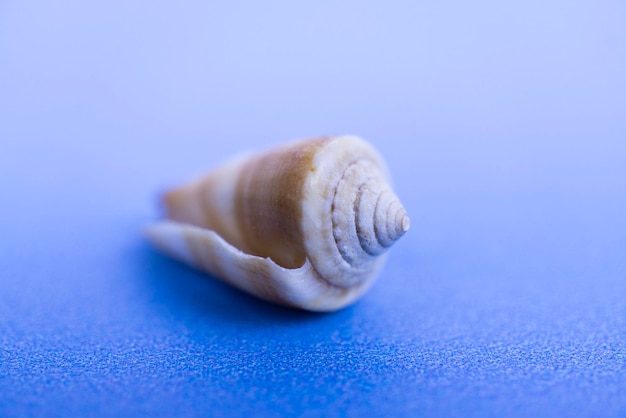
<point x="304" y="225"/>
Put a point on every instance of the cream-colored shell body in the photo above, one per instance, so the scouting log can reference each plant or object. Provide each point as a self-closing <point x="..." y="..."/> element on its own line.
<point x="304" y="225"/>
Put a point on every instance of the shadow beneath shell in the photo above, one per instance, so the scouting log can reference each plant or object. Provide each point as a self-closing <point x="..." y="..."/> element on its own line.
<point x="186" y="291"/>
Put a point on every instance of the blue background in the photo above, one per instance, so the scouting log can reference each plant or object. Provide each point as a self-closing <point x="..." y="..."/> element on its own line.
<point x="505" y="128"/>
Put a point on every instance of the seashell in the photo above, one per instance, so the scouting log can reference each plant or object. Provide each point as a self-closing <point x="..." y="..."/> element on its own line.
<point x="305" y="225"/>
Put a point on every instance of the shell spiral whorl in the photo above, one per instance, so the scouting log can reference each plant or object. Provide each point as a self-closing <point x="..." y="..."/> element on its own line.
<point x="305" y="225"/>
<point x="366" y="217"/>
<point x="379" y="217"/>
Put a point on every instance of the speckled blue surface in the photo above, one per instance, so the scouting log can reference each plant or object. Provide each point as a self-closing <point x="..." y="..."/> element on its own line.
<point x="505" y="130"/>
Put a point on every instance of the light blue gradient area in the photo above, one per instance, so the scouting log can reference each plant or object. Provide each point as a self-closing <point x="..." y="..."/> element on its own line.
<point x="504" y="125"/>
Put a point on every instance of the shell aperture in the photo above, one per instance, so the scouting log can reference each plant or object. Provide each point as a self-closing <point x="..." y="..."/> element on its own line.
<point x="305" y="225"/>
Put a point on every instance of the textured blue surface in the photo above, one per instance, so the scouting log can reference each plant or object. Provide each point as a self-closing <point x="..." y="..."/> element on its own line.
<point x="504" y="126"/>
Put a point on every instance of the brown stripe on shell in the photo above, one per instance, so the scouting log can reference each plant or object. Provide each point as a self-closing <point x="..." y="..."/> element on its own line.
<point x="268" y="202"/>
<point x="180" y="206"/>
<point x="210" y="216"/>
<point x="189" y="204"/>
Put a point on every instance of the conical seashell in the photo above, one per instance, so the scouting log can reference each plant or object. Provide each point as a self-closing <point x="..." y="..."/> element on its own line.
<point x="304" y="225"/>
